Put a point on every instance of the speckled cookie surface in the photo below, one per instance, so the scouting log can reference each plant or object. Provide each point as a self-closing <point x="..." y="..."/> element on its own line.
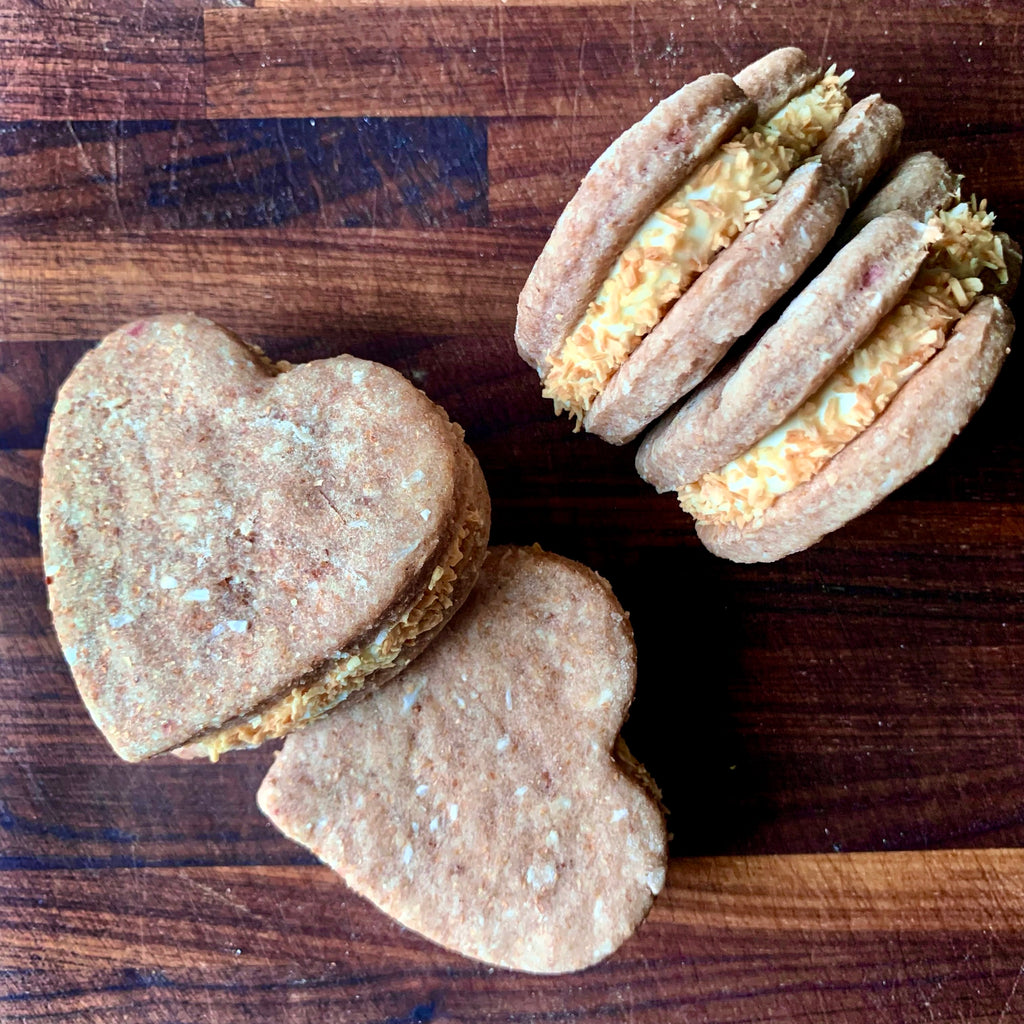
<point x="213" y="528"/>
<point x="774" y="79"/>
<point x="920" y="185"/>
<point x="866" y="138"/>
<point x="477" y="799"/>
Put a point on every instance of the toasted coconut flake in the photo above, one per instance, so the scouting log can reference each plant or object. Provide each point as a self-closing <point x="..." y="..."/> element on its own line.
<point x="856" y="395"/>
<point x="806" y="121"/>
<point x="681" y="238"/>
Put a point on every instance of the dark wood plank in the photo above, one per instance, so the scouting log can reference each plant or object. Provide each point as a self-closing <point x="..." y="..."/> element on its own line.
<point x="105" y="817"/>
<point x="134" y="17"/>
<point x="19" y="503"/>
<point x="447" y="326"/>
<point x="864" y="697"/>
<point x="576" y="61"/>
<point x="30" y="374"/>
<point x="94" y="60"/>
<point x="132" y="177"/>
<point x="536" y="163"/>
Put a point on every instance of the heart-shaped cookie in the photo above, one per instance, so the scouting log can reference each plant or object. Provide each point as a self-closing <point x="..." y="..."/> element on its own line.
<point x="485" y="799"/>
<point x="233" y="546"/>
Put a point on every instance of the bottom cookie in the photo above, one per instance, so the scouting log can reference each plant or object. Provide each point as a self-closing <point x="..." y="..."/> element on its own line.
<point x="485" y="799"/>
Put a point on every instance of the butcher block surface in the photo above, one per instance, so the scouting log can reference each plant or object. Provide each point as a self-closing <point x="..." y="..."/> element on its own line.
<point x="839" y="736"/>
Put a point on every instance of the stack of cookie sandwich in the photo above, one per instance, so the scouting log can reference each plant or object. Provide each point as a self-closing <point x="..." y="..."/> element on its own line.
<point x="691" y="227"/>
<point x="235" y="547"/>
<point x="232" y="546"/>
<point x="860" y="384"/>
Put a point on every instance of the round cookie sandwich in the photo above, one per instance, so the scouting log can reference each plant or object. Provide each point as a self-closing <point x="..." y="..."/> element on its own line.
<point x="232" y="546"/>
<point x="861" y="383"/>
<point x="690" y="226"/>
<point x="485" y="799"/>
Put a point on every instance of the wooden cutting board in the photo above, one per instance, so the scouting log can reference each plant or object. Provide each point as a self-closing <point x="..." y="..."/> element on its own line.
<point x="839" y="736"/>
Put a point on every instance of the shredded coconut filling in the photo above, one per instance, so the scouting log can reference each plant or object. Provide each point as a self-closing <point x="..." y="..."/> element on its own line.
<point x="679" y="240"/>
<point x="857" y="394"/>
<point x="331" y="683"/>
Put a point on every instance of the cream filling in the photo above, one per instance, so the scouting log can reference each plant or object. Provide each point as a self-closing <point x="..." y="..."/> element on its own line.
<point x="679" y="240"/>
<point x="856" y="395"/>
<point x="346" y="672"/>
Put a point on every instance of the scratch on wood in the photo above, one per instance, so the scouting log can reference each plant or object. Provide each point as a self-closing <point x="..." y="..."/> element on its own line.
<point x="504" y="63"/>
<point x="1009" y="997"/>
<point x="212" y="894"/>
<point x="827" y="33"/>
<point x="633" y="15"/>
<point x="199" y="36"/>
<point x="114" y="145"/>
<point x="289" y="167"/>
<point x="96" y="173"/>
<point x="581" y="77"/>
<point x="137" y="880"/>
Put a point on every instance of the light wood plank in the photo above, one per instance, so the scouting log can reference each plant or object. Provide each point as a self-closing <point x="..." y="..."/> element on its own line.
<point x="135" y="915"/>
<point x="291" y="4"/>
<point x="536" y="164"/>
<point x="573" y="61"/>
<point x="267" y="283"/>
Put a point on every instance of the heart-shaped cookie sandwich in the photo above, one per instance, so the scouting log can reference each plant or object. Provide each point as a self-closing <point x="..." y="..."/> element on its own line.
<point x="485" y="799"/>
<point x="232" y="546"/>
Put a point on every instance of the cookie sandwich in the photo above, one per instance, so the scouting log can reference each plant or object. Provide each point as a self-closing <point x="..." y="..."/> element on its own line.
<point x="234" y="546"/>
<point x="692" y="224"/>
<point x="861" y="383"/>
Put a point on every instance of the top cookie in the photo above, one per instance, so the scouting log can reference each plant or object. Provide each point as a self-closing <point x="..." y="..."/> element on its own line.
<point x="219" y="534"/>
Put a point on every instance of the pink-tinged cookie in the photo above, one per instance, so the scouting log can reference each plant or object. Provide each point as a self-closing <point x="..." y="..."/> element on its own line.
<point x="485" y="799"/>
<point x="834" y="314"/>
<point x="692" y="225"/>
<point x="232" y="547"/>
<point x="923" y="418"/>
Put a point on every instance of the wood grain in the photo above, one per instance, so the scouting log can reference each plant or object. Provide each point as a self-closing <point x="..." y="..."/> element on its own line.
<point x="829" y="708"/>
<point x="392" y="60"/>
<point x="839" y="737"/>
<point x="579" y="60"/>
<point x="30" y="374"/>
<point x="358" y="281"/>
<point x="91" y="61"/>
<point x="730" y="940"/>
<point x="535" y="164"/>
